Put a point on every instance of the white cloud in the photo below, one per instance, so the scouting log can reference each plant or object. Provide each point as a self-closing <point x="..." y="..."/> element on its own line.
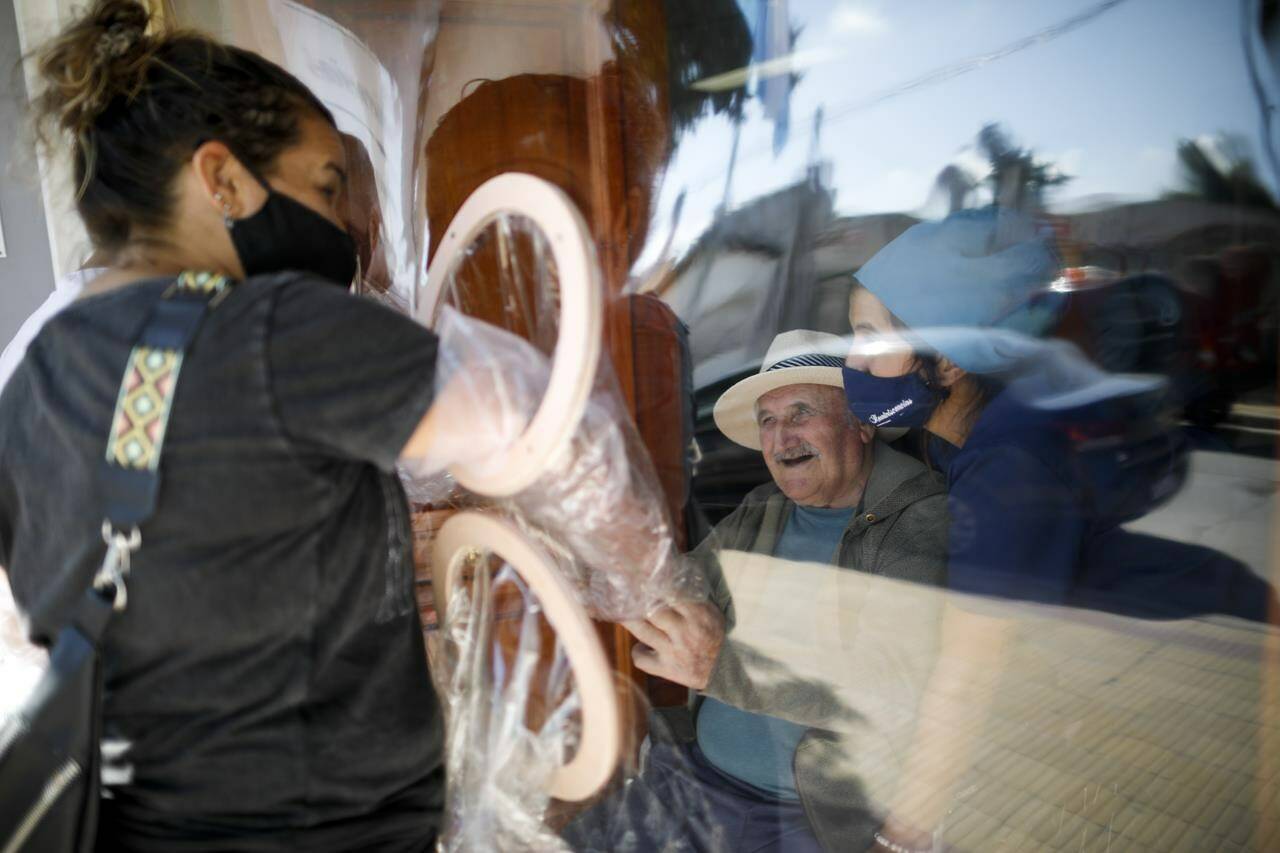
<point x="972" y="162"/>
<point x="857" y="19"/>
<point x="1211" y="146"/>
<point x="892" y="191"/>
<point x="1069" y="162"/>
<point x="1155" y="154"/>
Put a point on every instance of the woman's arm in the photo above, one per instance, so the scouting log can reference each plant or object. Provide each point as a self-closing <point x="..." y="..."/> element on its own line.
<point x="1017" y="530"/>
<point x="471" y="418"/>
<point x="440" y="437"/>
<point x="952" y="711"/>
<point x="20" y="660"/>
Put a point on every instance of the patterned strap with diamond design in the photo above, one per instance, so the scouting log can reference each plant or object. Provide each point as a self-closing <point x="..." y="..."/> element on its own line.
<point x="145" y="399"/>
<point x="142" y="409"/>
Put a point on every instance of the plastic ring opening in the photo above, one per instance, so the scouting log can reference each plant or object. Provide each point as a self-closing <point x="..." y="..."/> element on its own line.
<point x="601" y="741"/>
<point x="577" y="349"/>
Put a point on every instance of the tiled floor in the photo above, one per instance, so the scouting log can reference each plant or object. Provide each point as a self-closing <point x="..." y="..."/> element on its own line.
<point x="1106" y="734"/>
<point x="1228" y="503"/>
<point x="1139" y="736"/>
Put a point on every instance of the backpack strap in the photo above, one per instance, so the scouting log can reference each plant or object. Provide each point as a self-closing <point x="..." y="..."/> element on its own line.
<point x="131" y="466"/>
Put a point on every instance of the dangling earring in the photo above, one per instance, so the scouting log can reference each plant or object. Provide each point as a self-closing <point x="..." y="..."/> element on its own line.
<point x="357" y="281"/>
<point x="933" y="382"/>
<point x="226" y="211"/>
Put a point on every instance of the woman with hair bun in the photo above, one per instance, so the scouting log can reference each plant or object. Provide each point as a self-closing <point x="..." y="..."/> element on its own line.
<point x="266" y="687"/>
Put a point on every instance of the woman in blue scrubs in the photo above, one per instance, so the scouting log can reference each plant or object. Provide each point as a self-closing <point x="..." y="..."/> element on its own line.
<point x="946" y="320"/>
<point x="947" y="324"/>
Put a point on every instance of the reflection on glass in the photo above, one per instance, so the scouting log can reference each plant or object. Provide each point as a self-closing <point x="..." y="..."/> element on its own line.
<point x="513" y="708"/>
<point x="1133" y="140"/>
<point x="508" y="278"/>
<point x="1090" y="661"/>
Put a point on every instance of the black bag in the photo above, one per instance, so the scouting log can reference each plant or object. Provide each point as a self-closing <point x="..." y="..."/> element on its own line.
<point x="49" y="774"/>
<point x="50" y="751"/>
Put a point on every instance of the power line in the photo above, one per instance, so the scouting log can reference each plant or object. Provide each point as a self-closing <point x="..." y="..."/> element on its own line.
<point x="964" y="66"/>
<point x="960" y="67"/>
<point x="1248" y="11"/>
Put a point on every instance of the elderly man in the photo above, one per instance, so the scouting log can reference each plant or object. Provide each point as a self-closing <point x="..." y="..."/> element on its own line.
<point x="761" y="768"/>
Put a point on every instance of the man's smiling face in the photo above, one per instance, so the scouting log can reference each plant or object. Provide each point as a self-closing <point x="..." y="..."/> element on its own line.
<point x="818" y="454"/>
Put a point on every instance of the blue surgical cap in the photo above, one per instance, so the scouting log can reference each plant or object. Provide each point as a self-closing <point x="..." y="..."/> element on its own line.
<point x="975" y="270"/>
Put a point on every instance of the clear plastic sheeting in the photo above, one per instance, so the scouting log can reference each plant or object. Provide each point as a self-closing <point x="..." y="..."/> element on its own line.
<point x="750" y="204"/>
<point x="598" y="506"/>
<point x="488" y="379"/>
<point x="21" y="662"/>
<point x="512" y="715"/>
<point x="514" y="719"/>
<point x="507" y="276"/>
<point x="601" y="502"/>
<point x="657" y="806"/>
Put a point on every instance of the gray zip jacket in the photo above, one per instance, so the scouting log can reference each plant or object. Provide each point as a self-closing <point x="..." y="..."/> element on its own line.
<point x="848" y="654"/>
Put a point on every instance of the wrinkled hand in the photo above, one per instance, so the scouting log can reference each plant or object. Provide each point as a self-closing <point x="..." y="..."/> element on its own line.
<point x="679" y="643"/>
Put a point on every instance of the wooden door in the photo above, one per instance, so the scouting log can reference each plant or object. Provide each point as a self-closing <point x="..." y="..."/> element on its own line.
<point x="574" y="93"/>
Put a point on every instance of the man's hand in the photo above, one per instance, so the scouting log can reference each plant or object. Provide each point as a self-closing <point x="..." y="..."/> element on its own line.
<point x="679" y="643"/>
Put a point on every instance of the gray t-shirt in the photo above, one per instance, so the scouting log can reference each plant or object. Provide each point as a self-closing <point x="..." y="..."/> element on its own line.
<point x="756" y="748"/>
<point x="267" y="683"/>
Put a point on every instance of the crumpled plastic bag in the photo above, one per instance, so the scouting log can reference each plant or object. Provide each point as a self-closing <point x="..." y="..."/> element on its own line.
<point x="598" y="505"/>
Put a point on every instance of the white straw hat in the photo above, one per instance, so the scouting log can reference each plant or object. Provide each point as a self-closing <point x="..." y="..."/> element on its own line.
<point x="799" y="357"/>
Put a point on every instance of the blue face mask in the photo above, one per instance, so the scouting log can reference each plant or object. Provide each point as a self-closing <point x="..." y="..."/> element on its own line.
<point x="894" y="401"/>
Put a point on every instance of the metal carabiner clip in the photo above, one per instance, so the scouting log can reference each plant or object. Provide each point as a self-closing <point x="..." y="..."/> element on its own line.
<point x="115" y="564"/>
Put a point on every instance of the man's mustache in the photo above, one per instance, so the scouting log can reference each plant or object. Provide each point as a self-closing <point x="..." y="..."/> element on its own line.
<point x="795" y="452"/>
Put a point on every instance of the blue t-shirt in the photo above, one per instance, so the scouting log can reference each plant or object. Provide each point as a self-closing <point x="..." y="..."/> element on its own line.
<point x="756" y="748"/>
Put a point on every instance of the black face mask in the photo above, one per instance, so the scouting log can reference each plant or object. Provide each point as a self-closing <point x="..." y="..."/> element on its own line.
<point x="287" y="235"/>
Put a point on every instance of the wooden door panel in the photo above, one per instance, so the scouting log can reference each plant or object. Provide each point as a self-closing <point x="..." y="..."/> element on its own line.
<point x="536" y="87"/>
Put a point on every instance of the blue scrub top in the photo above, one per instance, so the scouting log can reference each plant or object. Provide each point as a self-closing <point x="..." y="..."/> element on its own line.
<point x="1019" y="524"/>
<point x="1025" y="526"/>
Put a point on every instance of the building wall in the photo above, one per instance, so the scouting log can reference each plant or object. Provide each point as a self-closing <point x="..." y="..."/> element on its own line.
<point x="26" y="272"/>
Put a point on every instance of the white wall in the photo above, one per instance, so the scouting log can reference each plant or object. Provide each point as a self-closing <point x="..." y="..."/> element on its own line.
<point x="37" y="20"/>
<point x="26" y="273"/>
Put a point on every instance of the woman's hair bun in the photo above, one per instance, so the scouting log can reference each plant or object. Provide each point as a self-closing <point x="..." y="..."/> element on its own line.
<point x="130" y="104"/>
<point x="122" y="26"/>
<point x="103" y="55"/>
